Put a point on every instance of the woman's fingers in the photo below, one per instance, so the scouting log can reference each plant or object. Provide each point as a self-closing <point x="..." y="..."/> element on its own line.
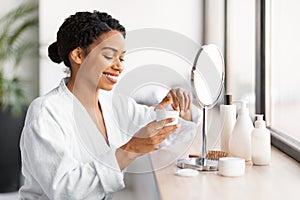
<point x="164" y="131"/>
<point x="162" y="134"/>
<point x="188" y="100"/>
<point x="179" y="98"/>
<point x="166" y="101"/>
<point x="160" y="124"/>
<point x="167" y="130"/>
<point x="152" y="128"/>
<point x="150" y="136"/>
<point x="176" y="101"/>
<point x="184" y="99"/>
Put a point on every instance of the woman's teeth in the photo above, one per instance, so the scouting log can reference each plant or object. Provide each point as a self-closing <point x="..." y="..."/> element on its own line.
<point x="111" y="76"/>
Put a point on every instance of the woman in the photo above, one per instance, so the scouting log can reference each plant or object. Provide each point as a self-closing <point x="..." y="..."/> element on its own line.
<point x="78" y="138"/>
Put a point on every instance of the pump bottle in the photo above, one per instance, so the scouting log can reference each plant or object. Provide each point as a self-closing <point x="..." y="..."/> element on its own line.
<point x="228" y="119"/>
<point x="261" y="143"/>
<point x="240" y="141"/>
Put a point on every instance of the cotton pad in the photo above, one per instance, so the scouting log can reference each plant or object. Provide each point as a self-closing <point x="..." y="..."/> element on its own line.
<point x="187" y="172"/>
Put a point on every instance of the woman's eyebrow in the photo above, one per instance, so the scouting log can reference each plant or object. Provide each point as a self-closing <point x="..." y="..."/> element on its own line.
<point x="111" y="48"/>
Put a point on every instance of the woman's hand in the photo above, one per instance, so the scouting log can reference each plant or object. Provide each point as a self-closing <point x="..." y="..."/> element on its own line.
<point x="180" y="100"/>
<point x="144" y="141"/>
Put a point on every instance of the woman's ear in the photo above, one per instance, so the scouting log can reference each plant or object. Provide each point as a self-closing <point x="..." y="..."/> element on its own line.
<point x="77" y="55"/>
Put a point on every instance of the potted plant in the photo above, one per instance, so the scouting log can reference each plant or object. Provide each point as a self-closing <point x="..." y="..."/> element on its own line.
<point x="15" y="46"/>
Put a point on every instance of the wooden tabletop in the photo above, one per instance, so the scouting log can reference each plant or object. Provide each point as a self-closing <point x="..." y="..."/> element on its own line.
<point x="279" y="180"/>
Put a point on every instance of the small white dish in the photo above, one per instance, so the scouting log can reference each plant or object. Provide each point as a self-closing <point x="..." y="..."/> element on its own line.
<point x="162" y="114"/>
<point x="187" y="172"/>
<point x="231" y="166"/>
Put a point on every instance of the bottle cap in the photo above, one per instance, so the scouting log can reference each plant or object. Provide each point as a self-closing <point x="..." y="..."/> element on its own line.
<point x="243" y="108"/>
<point x="260" y="123"/>
<point x="228" y="99"/>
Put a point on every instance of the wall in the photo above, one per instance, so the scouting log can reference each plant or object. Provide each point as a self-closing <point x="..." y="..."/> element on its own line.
<point x="183" y="17"/>
<point x="241" y="51"/>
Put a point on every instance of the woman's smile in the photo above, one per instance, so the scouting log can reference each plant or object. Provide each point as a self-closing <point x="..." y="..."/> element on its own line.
<point x="112" y="77"/>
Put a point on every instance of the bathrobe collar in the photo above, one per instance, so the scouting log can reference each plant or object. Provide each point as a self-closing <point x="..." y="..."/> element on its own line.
<point x="87" y="131"/>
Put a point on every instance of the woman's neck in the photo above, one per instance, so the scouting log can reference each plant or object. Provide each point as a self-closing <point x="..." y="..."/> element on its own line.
<point x="87" y="96"/>
<point x="89" y="99"/>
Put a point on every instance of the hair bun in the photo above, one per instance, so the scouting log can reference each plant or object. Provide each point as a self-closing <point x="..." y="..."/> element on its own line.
<point x="53" y="53"/>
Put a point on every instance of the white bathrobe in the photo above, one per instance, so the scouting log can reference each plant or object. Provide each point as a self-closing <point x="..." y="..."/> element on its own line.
<point x="64" y="156"/>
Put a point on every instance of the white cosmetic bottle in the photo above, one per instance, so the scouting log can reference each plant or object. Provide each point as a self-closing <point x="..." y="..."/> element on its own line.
<point x="228" y="119"/>
<point x="240" y="140"/>
<point x="261" y="143"/>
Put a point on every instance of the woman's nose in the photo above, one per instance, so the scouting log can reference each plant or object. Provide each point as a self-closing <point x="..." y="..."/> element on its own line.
<point x="118" y="65"/>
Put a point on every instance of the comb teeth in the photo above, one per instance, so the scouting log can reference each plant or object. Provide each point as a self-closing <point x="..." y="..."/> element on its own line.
<point x="215" y="155"/>
<point x="212" y="155"/>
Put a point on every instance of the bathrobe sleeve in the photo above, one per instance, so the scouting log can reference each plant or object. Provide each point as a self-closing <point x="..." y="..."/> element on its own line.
<point x="47" y="159"/>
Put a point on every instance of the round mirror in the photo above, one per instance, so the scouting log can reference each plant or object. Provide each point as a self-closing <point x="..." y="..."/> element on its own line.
<point x="207" y="80"/>
<point x="208" y="75"/>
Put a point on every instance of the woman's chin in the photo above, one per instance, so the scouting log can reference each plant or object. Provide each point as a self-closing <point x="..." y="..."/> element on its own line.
<point x="107" y="88"/>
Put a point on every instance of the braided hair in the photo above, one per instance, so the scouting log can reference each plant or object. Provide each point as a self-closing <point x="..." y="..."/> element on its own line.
<point x="81" y="30"/>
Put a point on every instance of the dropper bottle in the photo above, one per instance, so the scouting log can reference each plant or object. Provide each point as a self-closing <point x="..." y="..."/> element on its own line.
<point x="240" y="141"/>
<point x="261" y="143"/>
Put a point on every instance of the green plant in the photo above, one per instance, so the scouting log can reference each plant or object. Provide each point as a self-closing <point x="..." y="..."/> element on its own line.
<point x="15" y="45"/>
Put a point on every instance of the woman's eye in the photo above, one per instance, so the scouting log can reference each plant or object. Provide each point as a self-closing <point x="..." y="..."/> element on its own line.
<point x="121" y="59"/>
<point x="108" y="57"/>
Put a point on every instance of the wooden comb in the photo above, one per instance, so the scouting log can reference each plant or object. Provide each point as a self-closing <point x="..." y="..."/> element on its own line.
<point x="212" y="155"/>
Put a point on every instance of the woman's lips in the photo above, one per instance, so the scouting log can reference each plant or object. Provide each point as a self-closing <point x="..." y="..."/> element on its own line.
<point x="113" y="78"/>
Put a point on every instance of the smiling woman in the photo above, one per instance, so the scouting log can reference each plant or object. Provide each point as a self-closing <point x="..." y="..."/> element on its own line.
<point x="85" y="146"/>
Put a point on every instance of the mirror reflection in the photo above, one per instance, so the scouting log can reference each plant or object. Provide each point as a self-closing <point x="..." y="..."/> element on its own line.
<point x="208" y="75"/>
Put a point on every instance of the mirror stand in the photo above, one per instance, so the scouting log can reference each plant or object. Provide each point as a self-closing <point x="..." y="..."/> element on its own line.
<point x="201" y="163"/>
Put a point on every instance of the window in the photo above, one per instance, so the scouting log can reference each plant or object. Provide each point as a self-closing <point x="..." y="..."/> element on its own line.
<point x="282" y="102"/>
<point x="263" y="64"/>
<point x="285" y="67"/>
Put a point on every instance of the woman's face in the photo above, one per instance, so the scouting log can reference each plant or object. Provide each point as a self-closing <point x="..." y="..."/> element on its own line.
<point x="110" y="56"/>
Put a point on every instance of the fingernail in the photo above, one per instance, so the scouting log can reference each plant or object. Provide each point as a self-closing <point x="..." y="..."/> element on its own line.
<point x="171" y="119"/>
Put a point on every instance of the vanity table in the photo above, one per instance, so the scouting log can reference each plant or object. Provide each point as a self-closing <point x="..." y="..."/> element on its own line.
<point x="279" y="180"/>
